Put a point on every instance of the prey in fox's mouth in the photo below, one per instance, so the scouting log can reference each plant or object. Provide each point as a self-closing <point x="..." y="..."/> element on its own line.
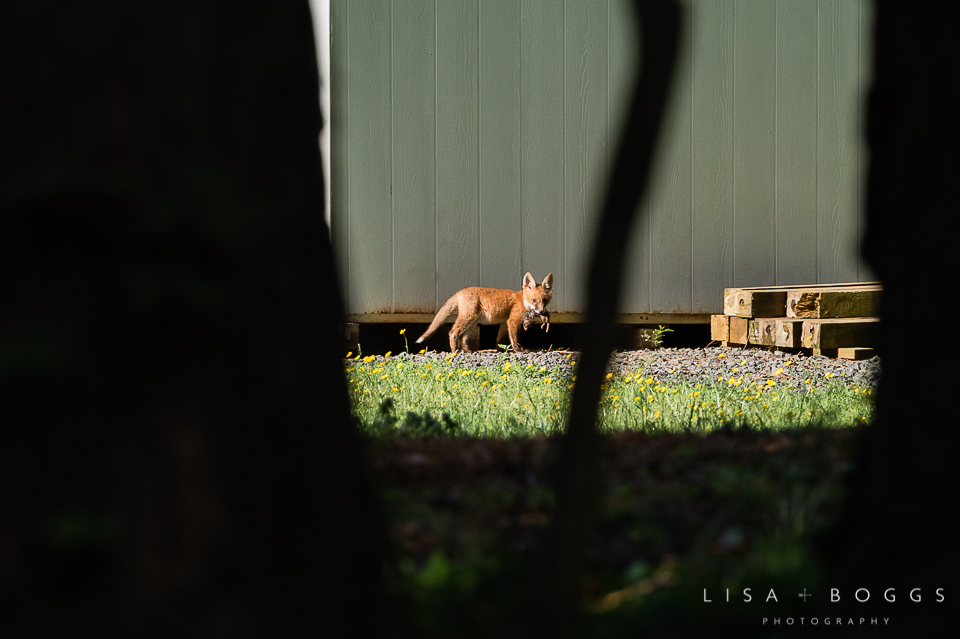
<point x="541" y="317"/>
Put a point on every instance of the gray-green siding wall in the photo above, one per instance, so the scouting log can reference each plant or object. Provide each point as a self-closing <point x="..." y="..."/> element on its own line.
<point x="471" y="140"/>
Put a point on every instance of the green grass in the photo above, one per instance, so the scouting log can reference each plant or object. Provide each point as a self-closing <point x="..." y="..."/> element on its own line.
<point x="736" y="507"/>
<point x="511" y="399"/>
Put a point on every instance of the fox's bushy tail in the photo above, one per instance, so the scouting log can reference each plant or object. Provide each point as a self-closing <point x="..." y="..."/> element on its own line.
<point x="448" y="309"/>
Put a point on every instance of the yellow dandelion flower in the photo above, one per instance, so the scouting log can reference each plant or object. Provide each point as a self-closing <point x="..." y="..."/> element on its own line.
<point x="422" y="351"/>
<point x="348" y="355"/>
<point x="609" y="375"/>
<point x="388" y="354"/>
<point x="721" y="356"/>
<point x="778" y="371"/>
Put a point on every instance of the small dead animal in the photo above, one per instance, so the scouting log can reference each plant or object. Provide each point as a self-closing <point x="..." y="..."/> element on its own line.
<point x="540" y="317"/>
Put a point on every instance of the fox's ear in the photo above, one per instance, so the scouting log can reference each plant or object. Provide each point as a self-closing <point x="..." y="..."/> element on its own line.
<point x="548" y="281"/>
<point x="528" y="281"/>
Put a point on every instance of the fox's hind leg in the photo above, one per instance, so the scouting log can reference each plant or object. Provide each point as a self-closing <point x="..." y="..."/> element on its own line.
<point x="471" y="341"/>
<point x="460" y="334"/>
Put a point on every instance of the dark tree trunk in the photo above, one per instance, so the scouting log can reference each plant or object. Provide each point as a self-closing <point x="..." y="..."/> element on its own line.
<point x="176" y="453"/>
<point x="900" y="528"/>
<point x="557" y="593"/>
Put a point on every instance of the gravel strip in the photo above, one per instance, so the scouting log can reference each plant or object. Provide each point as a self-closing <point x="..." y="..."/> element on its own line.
<point x="694" y="365"/>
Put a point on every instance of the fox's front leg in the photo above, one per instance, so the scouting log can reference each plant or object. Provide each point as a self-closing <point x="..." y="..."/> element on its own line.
<point x="513" y="328"/>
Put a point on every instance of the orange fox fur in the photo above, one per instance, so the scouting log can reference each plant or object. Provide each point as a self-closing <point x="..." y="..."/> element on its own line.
<point x="479" y="305"/>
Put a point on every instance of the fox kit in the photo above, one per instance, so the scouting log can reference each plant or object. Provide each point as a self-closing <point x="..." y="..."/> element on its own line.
<point x="479" y="305"/>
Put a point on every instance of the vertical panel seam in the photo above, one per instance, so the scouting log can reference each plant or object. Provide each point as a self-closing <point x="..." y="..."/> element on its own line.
<point x="436" y="150"/>
<point x="520" y="125"/>
<point x="606" y="158"/>
<point x="393" y="207"/>
<point x="860" y="135"/>
<point x="563" y="121"/>
<point x="479" y="157"/>
<point x="776" y="143"/>
<point x="733" y="143"/>
<point x="346" y="198"/>
<point x="690" y="73"/>
<point x="816" y="165"/>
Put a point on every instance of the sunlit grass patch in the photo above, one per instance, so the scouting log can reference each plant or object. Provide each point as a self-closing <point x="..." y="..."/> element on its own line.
<point x="515" y="398"/>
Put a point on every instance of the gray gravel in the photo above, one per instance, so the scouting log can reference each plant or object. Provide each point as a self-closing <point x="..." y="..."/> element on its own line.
<point x="692" y="364"/>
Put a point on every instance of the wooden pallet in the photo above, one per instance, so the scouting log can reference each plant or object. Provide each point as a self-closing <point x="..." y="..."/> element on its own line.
<point x="836" y="319"/>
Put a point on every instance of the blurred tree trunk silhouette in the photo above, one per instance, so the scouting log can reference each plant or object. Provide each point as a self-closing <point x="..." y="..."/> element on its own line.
<point x="557" y="592"/>
<point x="901" y="522"/>
<point x="176" y="453"/>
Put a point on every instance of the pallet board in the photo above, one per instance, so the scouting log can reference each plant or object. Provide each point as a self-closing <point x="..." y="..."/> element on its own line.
<point x="856" y="354"/>
<point x="720" y="328"/>
<point x="825" y="304"/>
<point x="772" y="301"/>
<point x="821" y="334"/>
<point x="739" y="330"/>
<point x="775" y="331"/>
<point x="746" y="303"/>
<point x="838" y="320"/>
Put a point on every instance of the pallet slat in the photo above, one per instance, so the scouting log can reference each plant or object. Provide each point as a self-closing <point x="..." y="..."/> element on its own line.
<point x="745" y="303"/>
<point x="856" y="354"/>
<point x="720" y="328"/>
<point x="739" y="330"/>
<point x="774" y="301"/>
<point x="775" y="331"/>
<point x="825" y="304"/>
<point x="820" y="334"/>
